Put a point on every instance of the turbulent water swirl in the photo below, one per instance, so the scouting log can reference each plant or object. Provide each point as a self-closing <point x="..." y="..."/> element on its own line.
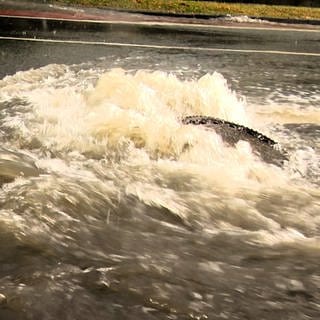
<point x="109" y="204"/>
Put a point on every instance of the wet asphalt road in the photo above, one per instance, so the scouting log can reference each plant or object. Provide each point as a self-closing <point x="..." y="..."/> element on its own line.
<point x="16" y="55"/>
<point x="288" y="278"/>
<point x="250" y="58"/>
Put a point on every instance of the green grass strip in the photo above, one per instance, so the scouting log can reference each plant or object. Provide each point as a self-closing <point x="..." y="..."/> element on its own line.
<point x="204" y="7"/>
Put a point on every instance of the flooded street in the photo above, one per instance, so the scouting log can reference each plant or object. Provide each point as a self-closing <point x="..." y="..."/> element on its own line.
<point x="112" y="208"/>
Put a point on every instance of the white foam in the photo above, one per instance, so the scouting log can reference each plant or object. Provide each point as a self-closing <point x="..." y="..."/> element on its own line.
<point x="125" y="133"/>
<point x="246" y="19"/>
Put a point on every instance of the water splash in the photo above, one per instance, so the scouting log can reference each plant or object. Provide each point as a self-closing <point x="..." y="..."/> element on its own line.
<point x="125" y="127"/>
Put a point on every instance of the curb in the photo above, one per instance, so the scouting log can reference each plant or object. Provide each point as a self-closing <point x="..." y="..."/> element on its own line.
<point x="10" y="8"/>
<point x="220" y="16"/>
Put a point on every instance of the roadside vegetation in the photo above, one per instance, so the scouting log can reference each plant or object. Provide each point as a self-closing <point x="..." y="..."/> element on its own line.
<point x="204" y="7"/>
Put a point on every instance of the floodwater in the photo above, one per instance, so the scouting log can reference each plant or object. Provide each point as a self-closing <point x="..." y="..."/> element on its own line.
<point x="111" y="208"/>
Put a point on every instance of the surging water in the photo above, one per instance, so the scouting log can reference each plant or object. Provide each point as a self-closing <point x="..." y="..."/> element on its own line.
<point x="110" y="203"/>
